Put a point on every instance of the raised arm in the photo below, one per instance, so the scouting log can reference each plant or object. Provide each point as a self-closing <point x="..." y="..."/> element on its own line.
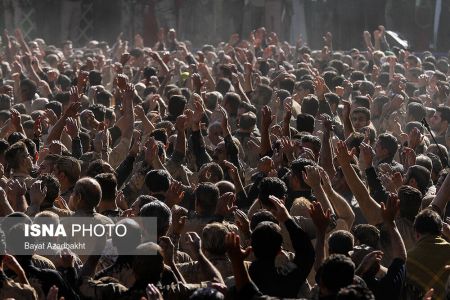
<point x="389" y="211"/>
<point x="266" y="120"/>
<point x="341" y="206"/>
<point x="370" y="208"/>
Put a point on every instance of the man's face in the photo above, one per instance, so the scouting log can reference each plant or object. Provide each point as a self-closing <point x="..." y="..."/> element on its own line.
<point x="379" y="150"/>
<point x="27" y="161"/>
<point x="436" y="122"/>
<point x="359" y="120"/>
<point x="45" y="168"/>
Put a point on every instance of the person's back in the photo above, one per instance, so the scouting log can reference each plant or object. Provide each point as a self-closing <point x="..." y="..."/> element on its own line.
<point x="427" y="260"/>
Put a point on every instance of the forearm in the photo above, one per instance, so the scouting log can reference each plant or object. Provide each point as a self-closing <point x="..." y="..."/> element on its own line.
<point x="341" y="206"/>
<point x="21" y="204"/>
<point x="5" y="208"/>
<point x="77" y="147"/>
<point x="180" y="144"/>
<point x="177" y="272"/>
<point x="304" y="250"/>
<point x="266" y="145"/>
<point x="124" y="170"/>
<point x="326" y="155"/>
<point x="377" y="190"/>
<point x="348" y="126"/>
<point x="147" y="126"/>
<point x="398" y="249"/>
<point x="370" y="208"/>
<point x="55" y="133"/>
<point x="199" y="149"/>
<point x="232" y="150"/>
<point x="320" y="250"/>
<point x="440" y="201"/>
<point x="322" y="197"/>
<point x="208" y="269"/>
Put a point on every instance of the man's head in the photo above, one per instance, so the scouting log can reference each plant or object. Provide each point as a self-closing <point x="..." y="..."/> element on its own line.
<point x="28" y="89"/>
<point x="86" y="195"/>
<point x="360" y="117"/>
<point x="161" y="212"/>
<point x="295" y="178"/>
<point x="336" y="272"/>
<point x="176" y="105"/>
<point x="157" y="182"/>
<point x="231" y="102"/>
<point x="310" y="105"/>
<point x="266" y="240"/>
<point x="108" y="184"/>
<point x="418" y="177"/>
<point x="441" y="119"/>
<point x="206" y="197"/>
<point x="53" y="187"/>
<point x="303" y="89"/>
<point x="305" y="123"/>
<point x="18" y="158"/>
<point x="312" y="142"/>
<point x="128" y="245"/>
<point x="415" y="112"/>
<point x="213" y="238"/>
<point x="262" y="95"/>
<point x="67" y="169"/>
<point x="247" y="121"/>
<point x="386" y="147"/>
<point x="366" y="234"/>
<point x="148" y="254"/>
<point x="271" y="186"/>
<point x="340" y="242"/>
<point x="427" y="222"/>
<point x="410" y="201"/>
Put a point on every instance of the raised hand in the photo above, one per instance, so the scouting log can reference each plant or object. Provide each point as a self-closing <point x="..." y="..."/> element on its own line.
<point x="390" y="210"/>
<point x="242" y="222"/>
<point x="179" y="218"/>
<point x="344" y="156"/>
<point x="153" y="293"/>
<point x="37" y="193"/>
<point x="169" y="250"/>
<point x="174" y="194"/>
<point x="72" y="128"/>
<point x="320" y="218"/>
<point x="225" y="204"/>
<point x="311" y="176"/>
<point x="266" y="117"/>
<point x="366" y="155"/>
<point x="234" y="250"/>
<point x="278" y="209"/>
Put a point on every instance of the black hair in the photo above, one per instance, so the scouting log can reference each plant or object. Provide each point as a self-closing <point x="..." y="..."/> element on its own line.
<point x="108" y="184"/>
<point x="428" y="222"/>
<point x="305" y="122"/>
<point x="389" y="142"/>
<point x="95" y="78"/>
<point x="336" y="272"/>
<point x="367" y="234"/>
<point x="340" y="242"/>
<point x="271" y="186"/>
<point x="157" y="181"/>
<point x="176" y="105"/>
<point x="206" y="197"/>
<point x="416" y="110"/>
<point x="159" y="210"/>
<point x="310" y="105"/>
<point x="266" y="240"/>
<point x="55" y="106"/>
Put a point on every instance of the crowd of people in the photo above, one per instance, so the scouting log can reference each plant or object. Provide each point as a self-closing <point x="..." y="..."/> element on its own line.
<point x="273" y="170"/>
